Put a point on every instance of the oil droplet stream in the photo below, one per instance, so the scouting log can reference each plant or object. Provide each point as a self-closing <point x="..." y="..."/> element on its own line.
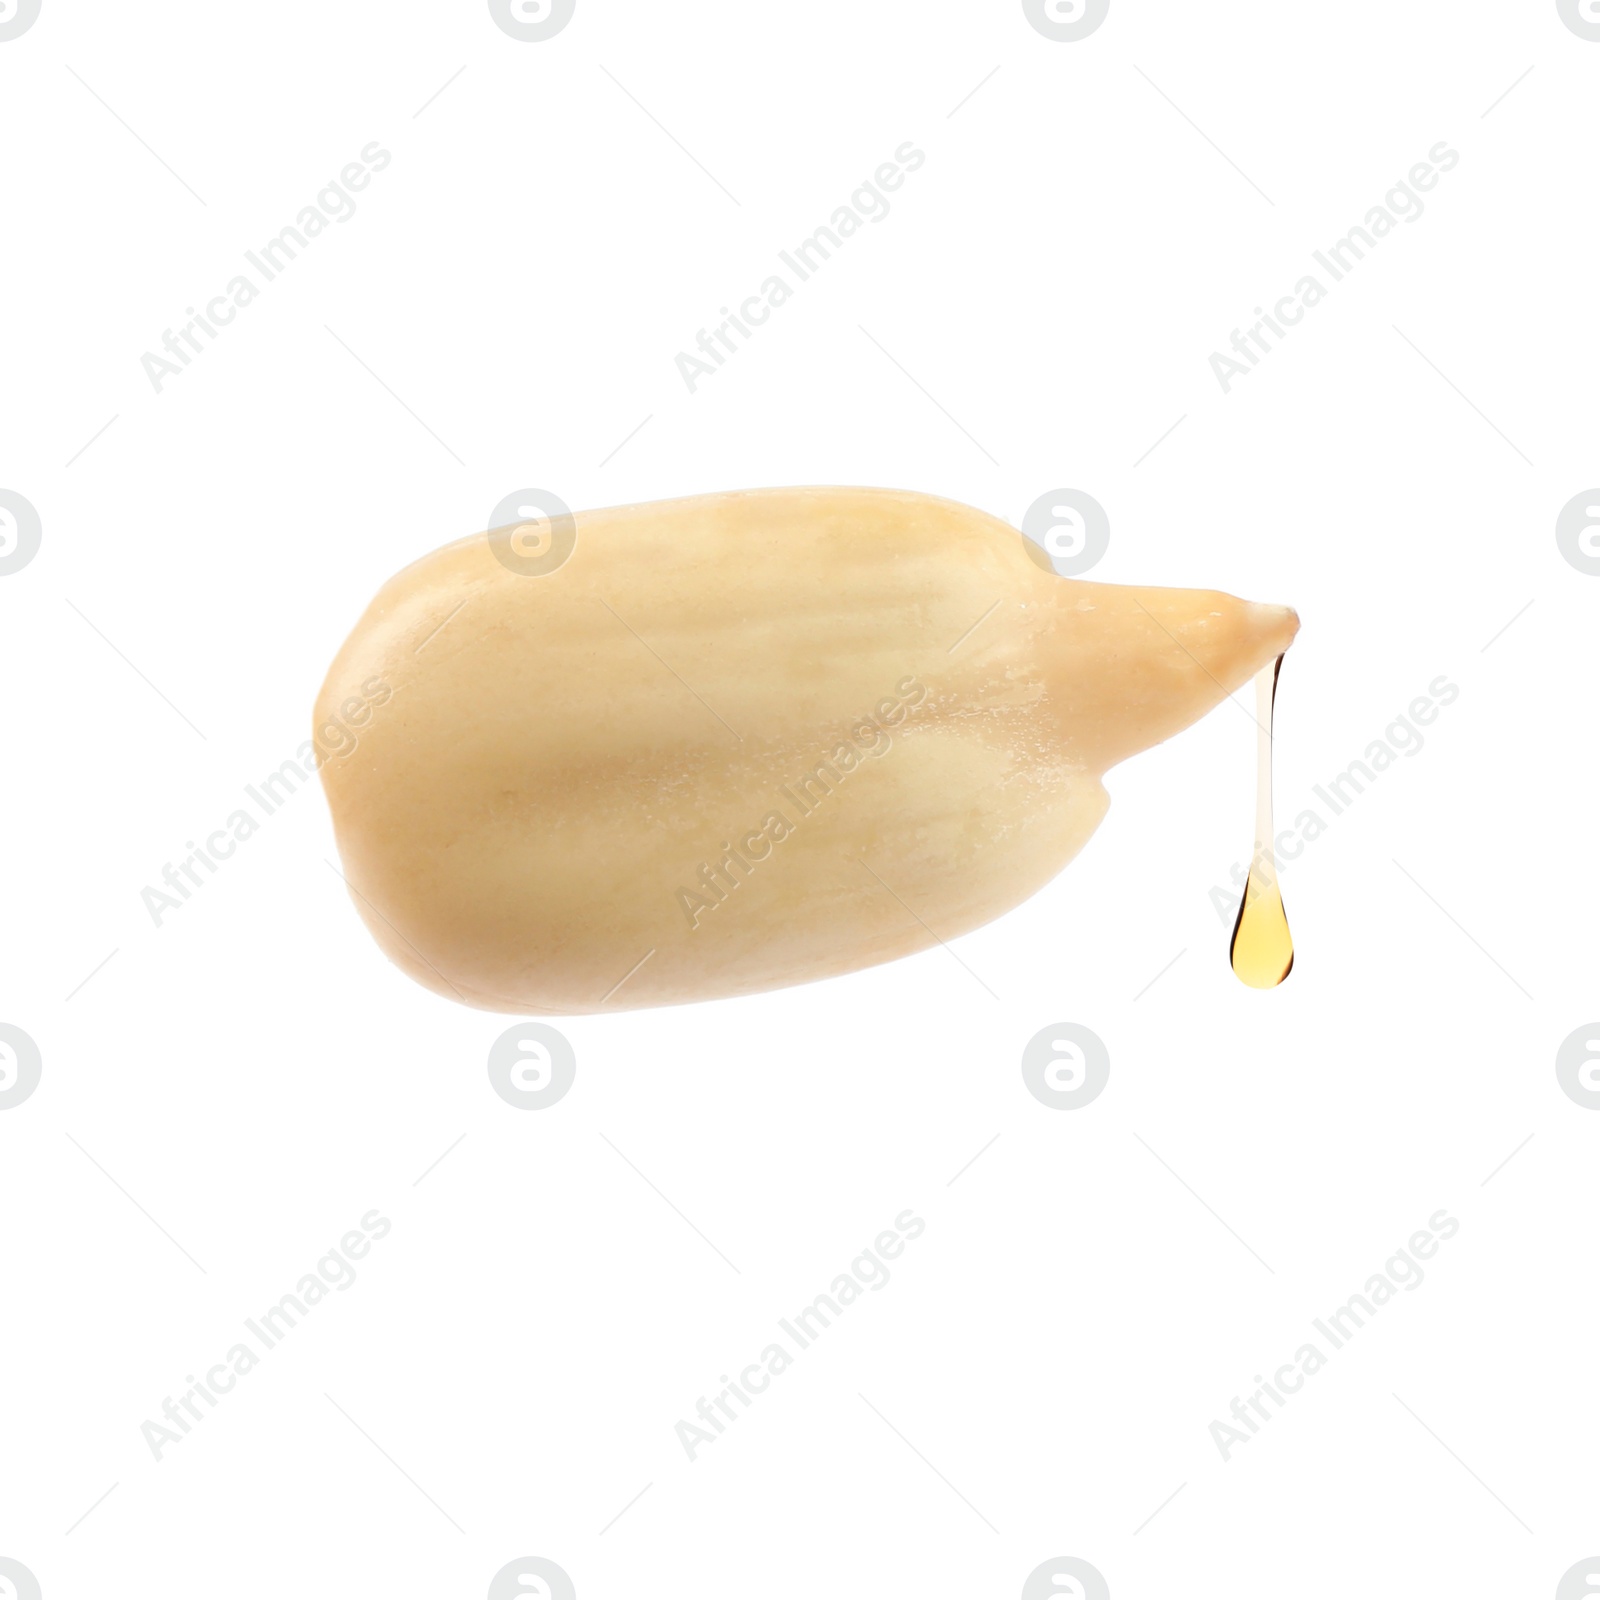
<point x="1262" y="953"/>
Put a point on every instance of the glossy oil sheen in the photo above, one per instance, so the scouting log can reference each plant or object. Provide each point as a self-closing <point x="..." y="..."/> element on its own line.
<point x="1262" y="951"/>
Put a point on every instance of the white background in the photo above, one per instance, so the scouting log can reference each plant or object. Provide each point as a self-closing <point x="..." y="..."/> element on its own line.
<point x="1093" y="1290"/>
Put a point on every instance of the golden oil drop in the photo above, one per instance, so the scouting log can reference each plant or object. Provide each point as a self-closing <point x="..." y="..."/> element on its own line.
<point x="1262" y="952"/>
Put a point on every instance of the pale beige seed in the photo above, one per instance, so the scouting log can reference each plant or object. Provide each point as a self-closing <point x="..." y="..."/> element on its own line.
<point x="741" y="741"/>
